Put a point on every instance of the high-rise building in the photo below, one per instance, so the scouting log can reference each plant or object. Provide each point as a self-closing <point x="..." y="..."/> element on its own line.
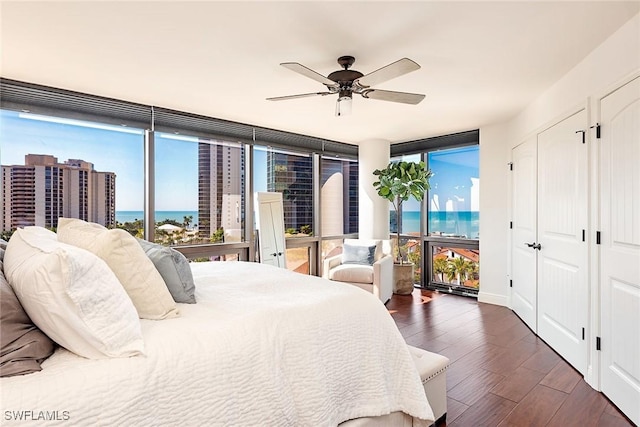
<point x="221" y="189"/>
<point x="352" y="196"/>
<point x="292" y="175"/>
<point x="339" y="194"/>
<point x="42" y="190"/>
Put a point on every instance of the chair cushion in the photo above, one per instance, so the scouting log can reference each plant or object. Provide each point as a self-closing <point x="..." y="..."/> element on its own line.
<point x="353" y="273"/>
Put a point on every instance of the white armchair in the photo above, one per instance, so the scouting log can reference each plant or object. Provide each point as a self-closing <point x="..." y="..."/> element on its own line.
<point x="367" y="264"/>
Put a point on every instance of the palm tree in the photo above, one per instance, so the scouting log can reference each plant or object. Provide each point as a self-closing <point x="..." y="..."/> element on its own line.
<point x="460" y="267"/>
<point x="451" y="272"/>
<point x="187" y="220"/>
<point x="440" y="267"/>
<point x="472" y="268"/>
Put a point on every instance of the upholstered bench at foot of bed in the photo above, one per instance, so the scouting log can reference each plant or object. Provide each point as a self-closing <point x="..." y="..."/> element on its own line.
<point x="432" y="368"/>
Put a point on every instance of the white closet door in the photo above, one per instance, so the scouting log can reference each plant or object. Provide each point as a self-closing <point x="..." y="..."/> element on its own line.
<point x="562" y="254"/>
<point x="523" y="257"/>
<point x="620" y="248"/>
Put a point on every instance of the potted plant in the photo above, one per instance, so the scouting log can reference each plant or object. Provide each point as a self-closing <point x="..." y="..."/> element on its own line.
<point x="398" y="182"/>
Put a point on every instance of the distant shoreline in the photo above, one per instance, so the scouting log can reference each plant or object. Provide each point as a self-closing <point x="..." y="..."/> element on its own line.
<point x="131" y="216"/>
<point x="459" y="223"/>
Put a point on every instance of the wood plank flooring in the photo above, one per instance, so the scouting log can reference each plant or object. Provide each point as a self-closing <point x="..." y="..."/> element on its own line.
<point x="501" y="374"/>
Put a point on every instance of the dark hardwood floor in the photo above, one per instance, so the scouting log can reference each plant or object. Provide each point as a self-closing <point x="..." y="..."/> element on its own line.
<point x="501" y="374"/>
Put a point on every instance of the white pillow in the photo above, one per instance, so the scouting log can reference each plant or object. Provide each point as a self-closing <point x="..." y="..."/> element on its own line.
<point x="123" y="254"/>
<point x="72" y="296"/>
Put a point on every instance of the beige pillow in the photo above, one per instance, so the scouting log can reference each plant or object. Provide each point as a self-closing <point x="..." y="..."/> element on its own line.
<point x="127" y="260"/>
<point x="72" y="296"/>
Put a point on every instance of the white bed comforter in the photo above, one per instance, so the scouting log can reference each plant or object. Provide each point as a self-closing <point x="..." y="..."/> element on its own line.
<point x="262" y="347"/>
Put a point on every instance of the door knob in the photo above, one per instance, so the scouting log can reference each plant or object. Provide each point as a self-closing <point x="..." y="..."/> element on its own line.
<point x="534" y="245"/>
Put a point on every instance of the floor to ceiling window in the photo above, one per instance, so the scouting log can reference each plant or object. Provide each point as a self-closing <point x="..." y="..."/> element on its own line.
<point x="441" y="234"/>
<point x="408" y="222"/>
<point x="453" y="220"/>
<point x="199" y="190"/>
<point x="339" y="196"/>
<point x="172" y="177"/>
<point x="55" y="167"/>
<point x="290" y="173"/>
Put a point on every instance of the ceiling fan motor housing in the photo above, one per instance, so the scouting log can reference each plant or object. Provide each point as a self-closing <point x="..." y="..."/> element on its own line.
<point x="345" y="77"/>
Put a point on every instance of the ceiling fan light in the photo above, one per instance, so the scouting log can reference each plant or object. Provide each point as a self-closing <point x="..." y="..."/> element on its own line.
<point x="343" y="106"/>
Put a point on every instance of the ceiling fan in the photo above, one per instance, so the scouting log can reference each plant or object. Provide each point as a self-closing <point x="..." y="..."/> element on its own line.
<point x="346" y="82"/>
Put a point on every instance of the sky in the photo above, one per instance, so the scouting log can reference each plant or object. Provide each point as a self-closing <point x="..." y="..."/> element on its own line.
<point x="121" y="150"/>
<point x="176" y="157"/>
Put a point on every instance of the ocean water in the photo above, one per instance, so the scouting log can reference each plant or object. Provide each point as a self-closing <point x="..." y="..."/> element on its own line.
<point x="463" y="223"/>
<point x="130" y="216"/>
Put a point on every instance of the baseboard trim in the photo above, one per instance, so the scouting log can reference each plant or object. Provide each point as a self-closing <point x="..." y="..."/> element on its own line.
<point x="495" y="299"/>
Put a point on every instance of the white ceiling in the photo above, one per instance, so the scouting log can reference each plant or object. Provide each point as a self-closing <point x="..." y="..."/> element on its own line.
<point x="482" y="62"/>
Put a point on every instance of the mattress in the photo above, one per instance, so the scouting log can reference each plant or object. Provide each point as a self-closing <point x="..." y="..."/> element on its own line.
<point x="262" y="346"/>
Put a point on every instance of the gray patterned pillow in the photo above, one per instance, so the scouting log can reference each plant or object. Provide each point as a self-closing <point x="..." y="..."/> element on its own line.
<point x="364" y="255"/>
<point x="174" y="269"/>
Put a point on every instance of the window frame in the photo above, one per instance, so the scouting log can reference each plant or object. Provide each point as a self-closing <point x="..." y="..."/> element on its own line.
<point x="424" y="147"/>
<point x="50" y="101"/>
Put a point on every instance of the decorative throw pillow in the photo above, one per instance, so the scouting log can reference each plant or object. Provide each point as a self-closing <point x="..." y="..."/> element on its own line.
<point x="352" y="254"/>
<point x="23" y="347"/>
<point x="174" y="269"/>
<point x="127" y="260"/>
<point x="72" y="296"/>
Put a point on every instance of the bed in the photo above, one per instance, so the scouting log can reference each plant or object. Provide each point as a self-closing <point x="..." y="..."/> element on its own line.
<point x="262" y="346"/>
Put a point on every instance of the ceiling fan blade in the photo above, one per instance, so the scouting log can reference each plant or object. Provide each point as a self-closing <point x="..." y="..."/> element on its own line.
<point x="388" y="95"/>
<point x="308" y="72"/>
<point x="302" y="95"/>
<point x="388" y="72"/>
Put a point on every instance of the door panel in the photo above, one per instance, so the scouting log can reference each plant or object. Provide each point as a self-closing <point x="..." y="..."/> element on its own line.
<point x="277" y="216"/>
<point x="268" y="248"/>
<point x="562" y="258"/>
<point x="270" y="225"/>
<point x="620" y="248"/>
<point x="523" y="258"/>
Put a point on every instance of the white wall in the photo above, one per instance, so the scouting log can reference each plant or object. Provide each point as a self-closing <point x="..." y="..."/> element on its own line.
<point x="373" y="210"/>
<point x="615" y="60"/>
<point x="494" y="222"/>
